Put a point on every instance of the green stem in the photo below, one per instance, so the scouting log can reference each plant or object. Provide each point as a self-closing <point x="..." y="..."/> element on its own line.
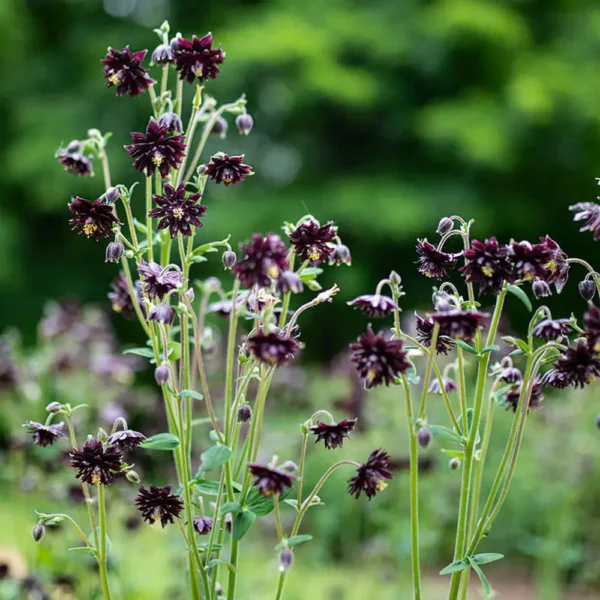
<point x="430" y="355"/>
<point x="233" y="559"/>
<point x="102" y="558"/>
<point x="149" y="232"/>
<point x="462" y="391"/>
<point x="233" y="320"/>
<point x="281" y="585"/>
<point x="79" y="530"/>
<point x="164" y="80"/>
<point x="300" y="480"/>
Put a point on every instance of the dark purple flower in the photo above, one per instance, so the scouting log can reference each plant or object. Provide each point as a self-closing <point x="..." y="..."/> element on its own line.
<point x="579" y="365"/>
<point x="275" y="348"/>
<point x="554" y="378"/>
<point x="95" y="463"/>
<point x="265" y="257"/>
<point x="75" y="163"/>
<point x="590" y="212"/>
<point x="587" y="289"/>
<point x="433" y="262"/>
<point x="114" y="252"/>
<point x="220" y="128"/>
<point x="177" y="212"/>
<point x="488" y="265"/>
<point x="162" y="313"/>
<point x="311" y="240"/>
<point x="120" y="297"/>
<point x="124" y="70"/>
<point x="530" y="260"/>
<point x="509" y="375"/>
<point x="271" y="481"/>
<point x="45" y="435"/>
<point x="288" y="281"/>
<point x="340" y="255"/>
<point x="126" y="440"/>
<point x="591" y="326"/>
<point x="171" y="121"/>
<point x="333" y="434"/>
<point x="158" y="503"/>
<point x="511" y="398"/>
<point x="434" y="385"/>
<point x="370" y="476"/>
<point x="158" y="280"/>
<point x="197" y="59"/>
<point x="162" y="55"/>
<point x="226" y="169"/>
<point x="94" y="219"/>
<point x="377" y="359"/>
<point x="156" y="149"/>
<point x="244" y="123"/>
<point x="459" y="324"/>
<point x="552" y="329"/>
<point x="541" y="289"/>
<point x="558" y="265"/>
<point x="202" y="525"/>
<point x="375" y="306"/>
<point x="425" y="333"/>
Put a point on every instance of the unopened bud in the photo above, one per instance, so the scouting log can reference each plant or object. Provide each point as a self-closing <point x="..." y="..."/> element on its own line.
<point x="132" y="477"/>
<point x="454" y="464"/>
<point x="395" y="279"/>
<point x="54" y="407"/>
<point x="190" y="294"/>
<point x="541" y="289"/>
<point x="74" y="146"/>
<point x="38" y="532"/>
<point x="288" y="281"/>
<point x="162" y="313"/>
<point x="286" y="558"/>
<point x="289" y="466"/>
<point x="229" y="259"/>
<point x="220" y="127"/>
<point x="587" y="289"/>
<point x="111" y="195"/>
<point x="114" y="251"/>
<point x="244" y="413"/>
<point x="162" y="373"/>
<point x="244" y="123"/>
<point x="424" y="437"/>
<point x="340" y="256"/>
<point x="445" y="225"/>
<point x="171" y="121"/>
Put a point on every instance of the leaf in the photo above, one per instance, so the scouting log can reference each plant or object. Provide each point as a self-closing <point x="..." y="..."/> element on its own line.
<point x="220" y="561"/>
<point x="466" y="347"/>
<point x="210" y="487"/>
<point x="454" y="453"/>
<point x="445" y="434"/>
<point x="310" y="274"/>
<point x="174" y="350"/>
<point x="292" y="502"/>
<point x="161" y="441"/>
<point x="295" y="540"/>
<point x="261" y="505"/>
<point x="145" y="352"/>
<point x="487" y="557"/>
<point x="523" y="346"/>
<point x="91" y="551"/>
<point x="191" y="394"/>
<point x="487" y="588"/>
<point x="457" y="565"/>
<point x="521" y="295"/>
<point x="231" y="507"/>
<point x="242" y="523"/>
<point x="198" y="259"/>
<point x="140" y="226"/>
<point x="215" y="456"/>
<point x="490" y="348"/>
<point x="203" y="546"/>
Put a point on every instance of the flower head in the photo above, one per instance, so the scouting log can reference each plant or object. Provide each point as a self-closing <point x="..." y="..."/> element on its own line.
<point x="289" y="281"/>
<point x="459" y="324"/>
<point x="45" y="435"/>
<point x="95" y="463"/>
<point x="162" y="54"/>
<point x="311" y="241"/>
<point x="425" y="335"/>
<point x="226" y="169"/>
<point x="370" y="476"/>
<point x="333" y="434"/>
<point x="197" y="59"/>
<point x="375" y="306"/>
<point x="159" y="280"/>
<point x="508" y="375"/>
<point x="530" y="260"/>
<point x="435" y="388"/>
<point x="125" y="71"/>
<point x="75" y="163"/>
<point x="274" y="348"/>
<point x="340" y="255"/>
<point x="265" y="257"/>
<point x="558" y="265"/>
<point x="591" y="325"/>
<point x="554" y="378"/>
<point x="120" y="296"/>
<point x="433" y="262"/>
<point x="271" y="481"/>
<point x="536" y="397"/>
<point x="590" y="212"/>
<point x="126" y="440"/>
<point x="158" y="503"/>
<point x="377" y="359"/>
<point x="202" y="525"/>
<point x="488" y="265"/>
<point x="552" y="329"/>
<point x="94" y="219"/>
<point x="578" y="366"/>
<point x="172" y="121"/>
<point x="162" y="313"/>
<point x="156" y="149"/>
<point x="176" y="212"/>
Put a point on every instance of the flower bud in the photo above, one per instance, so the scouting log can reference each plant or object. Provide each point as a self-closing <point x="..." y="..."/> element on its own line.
<point x="133" y="477"/>
<point x="190" y="294"/>
<point x="174" y="43"/>
<point x="162" y="313"/>
<point x="220" y="127"/>
<point x="587" y="289"/>
<point x="114" y="251"/>
<point x="38" y="532"/>
<point x="286" y="558"/>
<point x="288" y="281"/>
<point x="454" y="464"/>
<point x="162" y="55"/>
<point x="74" y="146"/>
<point x="541" y="289"/>
<point x="395" y="279"/>
<point x="229" y="259"/>
<point x="111" y="195"/>
<point x="424" y="437"/>
<point x="244" y="123"/>
<point x="289" y="466"/>
<point x="244" y="413"/>
<point x="340" y="255"/>
<point x="162" y="373"/>
<point x="54" y="407"/>
<point x="171" y="121"/>
<point x="445" y="225"/>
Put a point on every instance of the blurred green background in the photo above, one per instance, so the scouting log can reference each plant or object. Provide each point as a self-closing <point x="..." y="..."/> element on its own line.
<point x="383" y="116"/>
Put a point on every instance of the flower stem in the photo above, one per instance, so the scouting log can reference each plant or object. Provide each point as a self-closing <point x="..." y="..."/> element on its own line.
<point x="430" y="355"/>
<point x="102" y="558"/>
<point x="149" y="232"/>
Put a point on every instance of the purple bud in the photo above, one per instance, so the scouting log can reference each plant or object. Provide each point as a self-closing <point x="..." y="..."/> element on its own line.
<point x="286" y="558"/>
<point x="38" y="532"/>
<point x="171" y="121"/>
<point x="174" y="44"/>
<point x="190" y="294"/>
<point x="162" y="55"/>
<point x="162" y="313"/>
<point x="54" y="407"/>
<point x="290" y="466"/>
<point x="340" y="256"/>
<point x="220" y="127"/>
<point x="114" y="251"/>
<point x="244" y="123"/>
<point x="288" y="281"/>
<point x="445" y="225"/>
<point x="74" y="146"/>
<point x="424" y="437"/>
<point x="229" y="259"/>
<point x="587" y="289"/>
<point x="161" y="374"/>
<point x="454" y="464"/>
<point x="244" y="413"/>
<point x="541" y="289"/>
<point x="111" y="195"/>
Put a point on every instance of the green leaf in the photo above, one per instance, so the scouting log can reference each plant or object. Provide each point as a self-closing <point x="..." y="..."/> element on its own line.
<point x="215" y="456"/>
<point x="191" y="394"/>
<point x="203" y="546"/>
<point x="310" y="274"/>
<point x="457" y="565"/>
<point x="469" y="423"/>
<point x="487" y="557"/>
<point x="220" y="561"/>
<point x="261" y="505"/>
<point x="521" y="295"/>
<point x="145" y="352"/>
<point x="209" y="487"/>
<point x="487" y="588"/>
<point x="161" y="441"/>
<point x="242" y="523"/>
<point x="490" y="348"/>
<point x="454" y="453"/>
<point x="174" y="350"/>
<point x="523" y="346"/>
<point x="445" y="434"/>
<point x="91" y="551"/>
<point x="466" y="347"/>
<point x="231" y="507"/>
<point x="199" y="259"/>
<point x="292" y="502"/>
<point x="141" y="227"/>
<point x="295" y="540"/>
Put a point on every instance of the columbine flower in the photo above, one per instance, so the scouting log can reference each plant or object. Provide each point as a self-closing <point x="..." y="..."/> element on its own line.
<point x="375" y="306"/>
<point x="171" y="121"/>
<point x="126" y="440"/>
<point x="587" y="289"/>
<point x="509" y="375"/>
<point x="530" y="260"/>
<point x="425" y="333"/>
<point x="202" y="525"/>
<point x="197" y="59"/>
<point x="162" y="54"/>
<point x="433" y="262"/>
<point x="377" y="359"/>
<point x="75" y="163"/>
<point x="155" y="149"/>
<point x="558" y="265"/>
<point x="176" y="211"/>
<point x="264" y="258"/>
<point x="590" y="212"/>
<point x="94" y="219"/>
<point x="552" y="329"/>
<point x="540" y="289"/>
<point x="124" y="70"/>
<point x="488" y="265"/>
<point x="311" y="241"/>
<point x="95" y="463"/>
<point x="158" y="503"/>
<point x="370" y="476"/>
<point x="226" y="169"/>
<point x="273" y="348"/>
<point x="554" y="378"/>
<point x="270" y="481"/>
<point x="434" y="385"/>
<point x="459" y="324"/>
<point x="333" y="434"/>
<point x="579" y="365"/>
<point x="162" y="313"/>
<point x="288" y="281"/>
<point x="120" y="297"/>
<point x="591" y="325"/>
<point x="340" y="255"/>
<point x="511" y="398"/>
<point x="44" y="435"/>
<point x="158" y="280"/>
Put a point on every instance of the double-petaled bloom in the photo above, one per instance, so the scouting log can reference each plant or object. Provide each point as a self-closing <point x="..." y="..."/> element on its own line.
<point x="158" y="504"/>
<point x="45" y="435"/>
<point x="424" y="335"/>
<point x="275" y="348"/>
<point x="578" y="366"/>
<point x="433" y="262"/>
<point x="120" y="296"/>
<point x="590" y="212"/>
<point x="558" y="265"/>
<point x="197" y="59"/>
<point x="552" y="329"/>
<point x="75" y="162"/>
<point x="158" y="280"/>
<point x="530" y="260"/>
<point x="333" y="434"/>
<point x="126" y="439"/>
<point x="370" y="477"/>
<point x="176" y="211"/>
<point x="93" y="219"/>
<point x="487" y="264"/>
<point x="264" y="258"/>
<point x="96" y="463"/>
<point x="271" y="481"/>
<point x="226" y="169"/>
<point x="459" y="324"/>
<point x="124" y="70"/>
<point x="156" y="149"/>
<point x="375" y="306"/>
<point x="313" y="241"/>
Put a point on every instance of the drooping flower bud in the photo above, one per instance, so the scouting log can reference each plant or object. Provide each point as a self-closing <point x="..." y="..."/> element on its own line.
<point x="54" y="407"/>
<point x="290" y="466"/>
<point x="111" y="195"/>
<point x="162" y="313"/>
<point x="171" y="121"/>
<point x="424" y="437"/>
<point x="286" y="558"/>
<point x="288" y="281"/>
<point x="244" y="123"/>
<point x="132" y="477"/>
<point x="587" y="289"/>
<point x="229" y="259"/>
<point x="445" y="225"/>
<point x="220" y="128"/>
<point x="114" y="251"/>
<point x="541" y="289"/>
<point x="162" y="55"/>
<point x="74" y="146"/>
<point x="244" y="413"/>
<point x="161" y="374"/>
<point x="340" y="255"/>
<point x="38" y="532"/>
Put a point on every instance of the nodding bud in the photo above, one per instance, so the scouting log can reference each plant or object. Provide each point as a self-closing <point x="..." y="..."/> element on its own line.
<point x="162" y="313"/>
<point x="286" y="558"/>
<point x="74" y="146"/>
<point x="229" y="259"/>
<point x="587" y="289"/>
<point x="340" y="256"/>
<point x="424" y="437"/>
<point x="220" y="127"/>
<point x="290" y="466"/>
<point x="445" y="225"/>
<point x="244" y="413"/>
<point x="541" y="289"/>
<point x="171" y="121"/>
<point x="454" y="464"/>
<point x="395" y="279"/>
<point x="174" y="43"/>
<point x="162" y="373"/>
<point x="38" y="532"/>
<point x="244" y="123"/>
<point x="54" y="407"/>
<point x="114" y="251"/>
<point x="133" y="477"/>
<point x="162" y="55"/>
<point x="288" y="281"/>
<point x="111" y="195"/>
<point x="190" y="294"/>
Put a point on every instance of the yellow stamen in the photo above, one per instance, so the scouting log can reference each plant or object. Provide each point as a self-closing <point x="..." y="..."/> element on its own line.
<point x="178" y="213"/>
<point x="89" y="229"/>
<point x="115" y="79"/>
<point x="487" y="271"/>
<point x="96" y="479"/>
<point x="313" y="253"/>
<point x="157" y="158"/>
<point x="380" y="485"/>
<point x="155" y="516"/>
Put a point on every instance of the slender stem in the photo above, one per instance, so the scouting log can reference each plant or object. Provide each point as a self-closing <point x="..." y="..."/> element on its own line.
<point x="195" y="588"/>
<point x="281" y="585"/>
<point x="84" y="537"/>
<point x="233" y="558"/>
<point x="105" y="167"/>
<point x="462" y="392"/>
<point x="430" y="355"/>
<point x="189" y="138"/>
<point x="277" y="514"/>
<point x="300" y="479"/>
<point x="179" y="97"/>
<point x="164" y="79"/>
<point x="233" y="320"/>
<point x="103" y="559"/>
<point x="134" y="297"/>
<point x="152" y="95"/>
<point x="149" y="232"/>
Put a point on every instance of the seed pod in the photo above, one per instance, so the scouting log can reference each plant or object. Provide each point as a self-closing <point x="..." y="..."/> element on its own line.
<point x="161" y="374"/>
<point x="229" y="259"/>
<point x="587" y="289"/>
<point x="286" y="558"/>
<point x="445" y="225"/>
<point x="114" y="251"/>
<point x="424" y="437"/>
<point x="38" y="532"/>
<point x="244" y="413"/>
